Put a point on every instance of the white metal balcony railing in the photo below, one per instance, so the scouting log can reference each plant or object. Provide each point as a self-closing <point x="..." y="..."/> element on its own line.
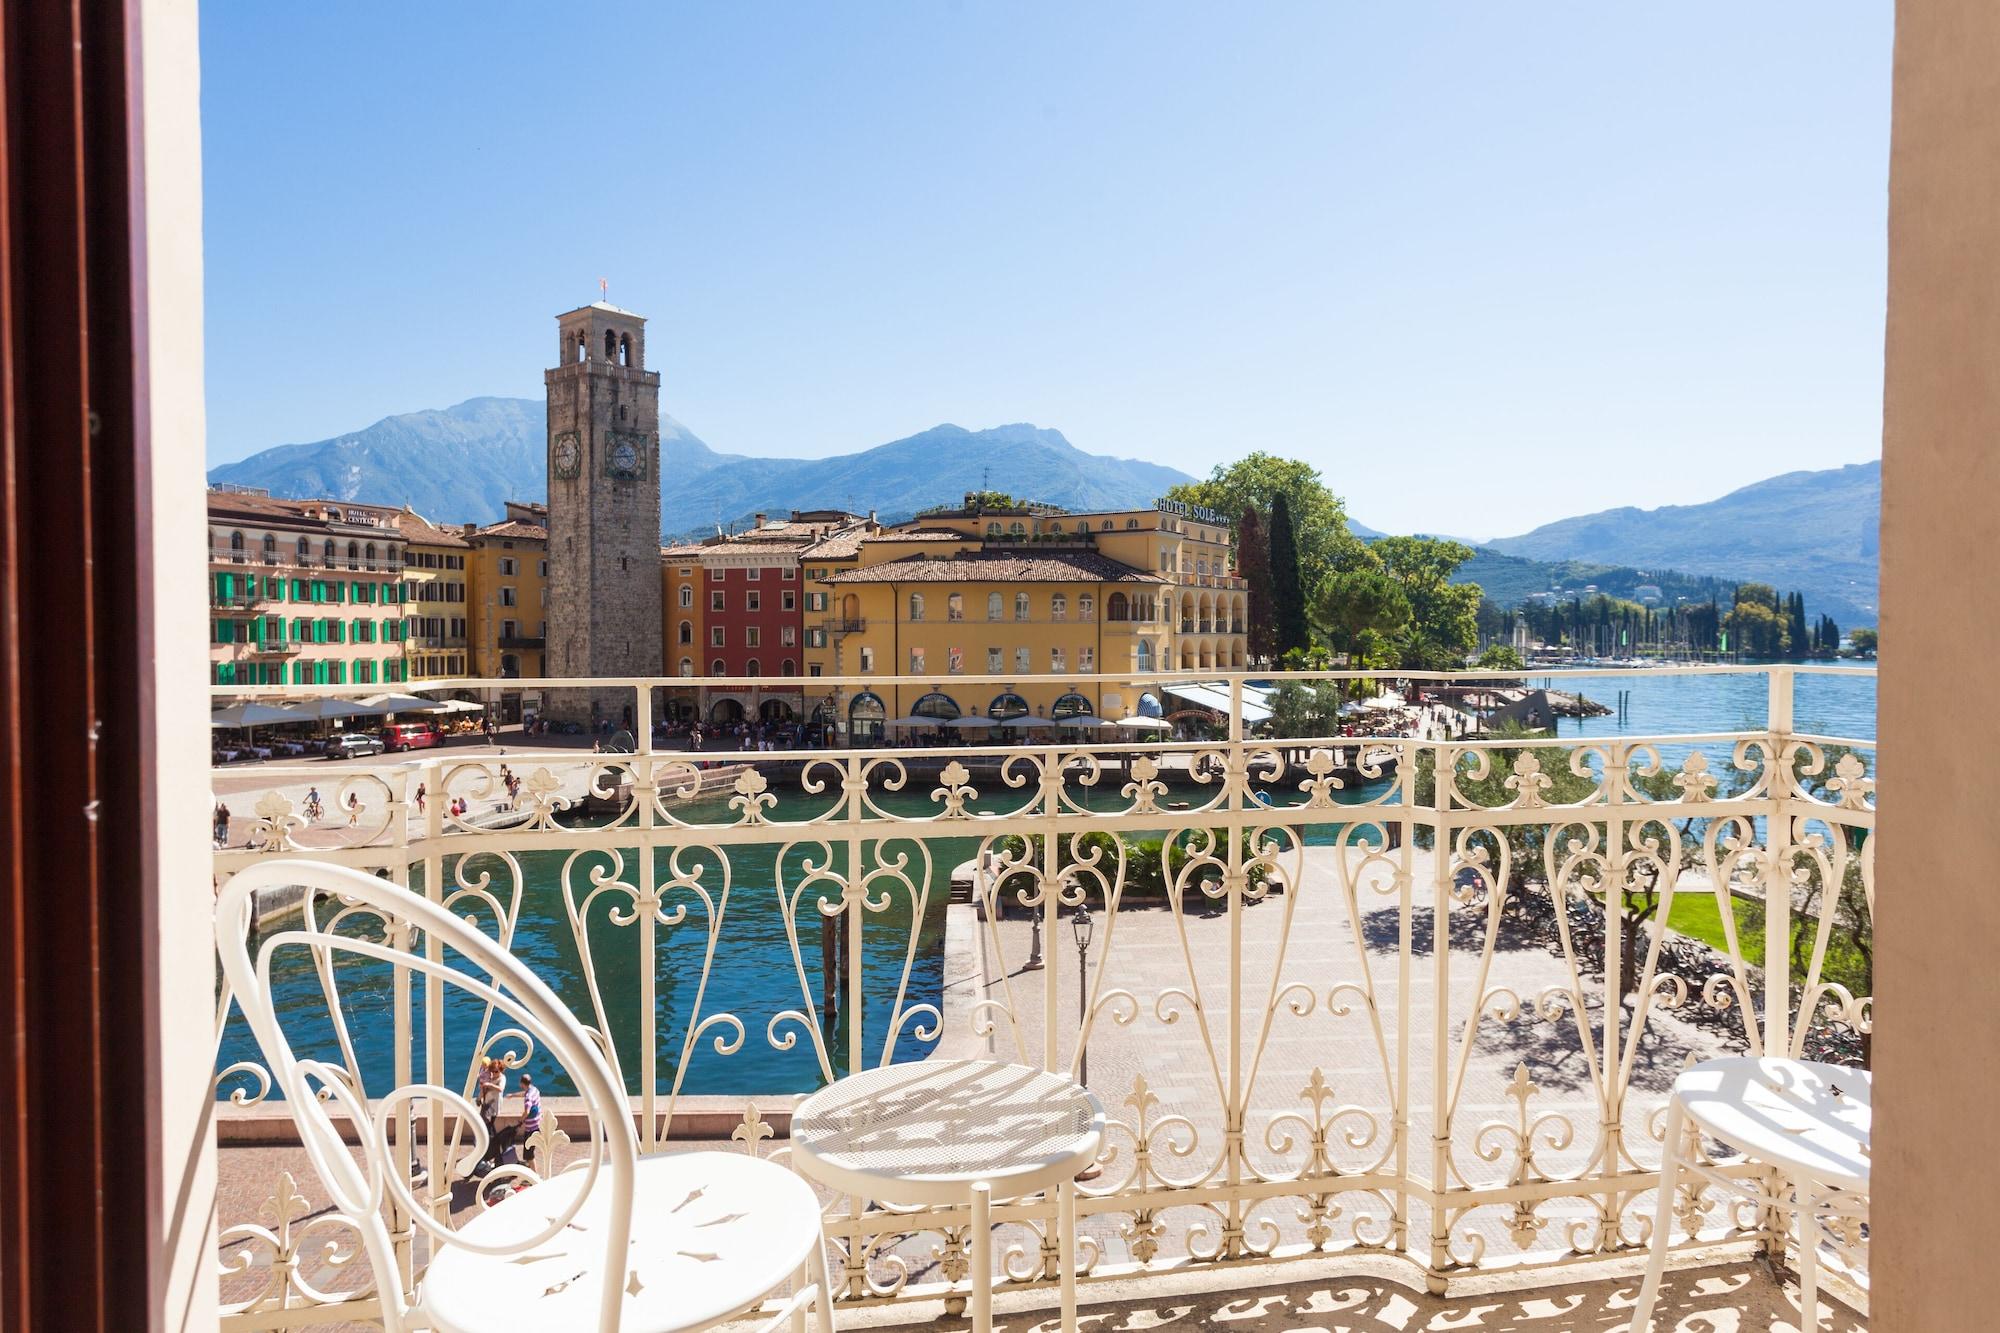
<point x="1376" y="995"/>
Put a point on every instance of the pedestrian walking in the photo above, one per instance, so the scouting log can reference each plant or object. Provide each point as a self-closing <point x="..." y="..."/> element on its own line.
<point x="420" y="798"/>
<point x="353" y="809"/>
<point x="221" y="824"/>
<point x="492" y="1086"/>
<point x="531" y="1118"/>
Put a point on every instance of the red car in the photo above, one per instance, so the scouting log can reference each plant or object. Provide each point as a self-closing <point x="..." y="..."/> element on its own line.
<point x="400" y="736"/>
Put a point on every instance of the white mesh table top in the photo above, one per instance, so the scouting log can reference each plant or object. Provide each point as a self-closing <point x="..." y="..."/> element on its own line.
<point x="1800" y="1115"/>
<point x="924" y="1132"/>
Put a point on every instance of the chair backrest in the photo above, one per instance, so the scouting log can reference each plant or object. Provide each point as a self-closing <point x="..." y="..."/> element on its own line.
<point x="314" y="1090"/>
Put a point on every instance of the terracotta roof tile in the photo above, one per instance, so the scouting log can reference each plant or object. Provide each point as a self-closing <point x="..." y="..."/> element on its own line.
<point x="999" y="567"/>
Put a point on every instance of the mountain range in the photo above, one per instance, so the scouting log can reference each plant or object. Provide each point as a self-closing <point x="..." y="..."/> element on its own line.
<point x="460" y="464"/>
<point x="1810" y="531"/>
<point x="1816" y="532"/>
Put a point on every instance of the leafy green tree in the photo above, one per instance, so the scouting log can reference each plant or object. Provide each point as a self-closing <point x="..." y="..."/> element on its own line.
<point x="1318" y="515"/>
<point x="1362" y="612"/>
<point x="1444" y="625"/>
<point x="1288" y="604"/>
<point x="1253" y="566"/>
<point x="1864" y="640"/>
<point x="1306" y="709"/>
<point x="1501" y="657"/>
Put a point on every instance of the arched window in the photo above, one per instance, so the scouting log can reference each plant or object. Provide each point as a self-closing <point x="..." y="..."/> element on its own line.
<point x="353" y="554"/>
<point x="236" y="541"/>
<point x="1055" y="528"/>
<point x="1131" y="523"/>
<point x="993" y="606"/>
<point x="305" y="549"/>
<point x="1116" y="607"/>
<point x="1058" y="607"/>
<point x="370" y="553"/>
<point x="625" y="349"/>
<point x="993" y="529"/>
<point x="866" y="717"/>
<point x="1105" y="526"/>
<point x="1086" y="607"/>
<point x="791" y="667"/>
<point x="939" y="706"/>
<point x="687" y="632"/>
<point x="1070" y="705"/>
<point x="330" y="551"/>
<point x="1017" y="529"/>
<point x="750" y="668"/>
<point x="610" y="346"/>
<point x="954" y="606"/>
<point x="1020" y="606"/>
<point x="1145" y="655"/>
<point x="1006" y="707"/>
<point x="916" y="606"/>
<point x="687" y="666"/>
<point x="582" y="349"/>
<point x="715" y="668"/>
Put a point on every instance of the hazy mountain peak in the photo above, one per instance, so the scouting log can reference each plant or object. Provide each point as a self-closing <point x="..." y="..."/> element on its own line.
<point x="461" y="462"/>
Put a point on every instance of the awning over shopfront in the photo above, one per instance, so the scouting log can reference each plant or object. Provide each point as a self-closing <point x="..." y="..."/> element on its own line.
<point x="1216" y="697"/>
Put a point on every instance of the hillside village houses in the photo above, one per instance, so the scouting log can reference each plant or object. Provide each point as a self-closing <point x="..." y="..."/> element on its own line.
<point x="1036" y="595"/>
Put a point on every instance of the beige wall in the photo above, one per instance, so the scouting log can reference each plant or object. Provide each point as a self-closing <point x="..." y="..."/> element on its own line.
<point x="180" y="1198"/>
<point x="1937" y="1047"/>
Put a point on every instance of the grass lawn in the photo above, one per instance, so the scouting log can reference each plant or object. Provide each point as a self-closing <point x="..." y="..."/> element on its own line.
<point x="1695" y="914"/>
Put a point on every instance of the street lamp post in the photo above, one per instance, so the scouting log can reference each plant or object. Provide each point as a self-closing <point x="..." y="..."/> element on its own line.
<point x="1081" y="924"/>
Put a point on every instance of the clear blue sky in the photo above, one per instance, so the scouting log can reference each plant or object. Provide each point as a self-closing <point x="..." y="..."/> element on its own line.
<point x="1483" y="265"/>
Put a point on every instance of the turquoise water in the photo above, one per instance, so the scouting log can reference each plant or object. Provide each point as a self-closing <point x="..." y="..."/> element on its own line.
<point x="753" y="976"/>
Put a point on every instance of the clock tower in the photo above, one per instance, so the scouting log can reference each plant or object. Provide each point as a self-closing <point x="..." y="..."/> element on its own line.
<point x="603" y="612"/>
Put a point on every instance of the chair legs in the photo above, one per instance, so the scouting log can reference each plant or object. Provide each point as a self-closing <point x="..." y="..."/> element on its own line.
<point x="982" y="1257"/>
<point x="1806" y="1196"/>
<point x="1663" y="1220"/>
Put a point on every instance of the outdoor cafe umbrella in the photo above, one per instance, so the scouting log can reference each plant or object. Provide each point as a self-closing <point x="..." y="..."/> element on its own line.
<point x="330" y="710"/>
<point x="249" y="715"/>
<point x="400" y="703"/>
<point x="971" y="722"/>
<point x="457" y="706"/>
<point x="1086" y="720"/>
<point x="1144" y="723"/>
<point x="1025" y="720"/>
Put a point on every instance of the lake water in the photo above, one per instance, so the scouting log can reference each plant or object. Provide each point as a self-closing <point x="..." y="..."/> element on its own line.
<point x="753" y="976"/>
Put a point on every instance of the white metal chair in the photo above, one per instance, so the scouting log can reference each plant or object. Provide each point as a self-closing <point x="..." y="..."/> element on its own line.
<point x="1809" y="1120"/>
<point x="614" y="1242"/>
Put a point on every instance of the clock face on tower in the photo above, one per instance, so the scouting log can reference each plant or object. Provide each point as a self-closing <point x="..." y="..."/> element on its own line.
<point x="624" y="459"/>
<point x="567" y="456"/>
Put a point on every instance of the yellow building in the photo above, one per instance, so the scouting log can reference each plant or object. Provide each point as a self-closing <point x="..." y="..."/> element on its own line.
<point x="507" y="593"/>
<point x="681" y="606"/>
<point x="436" y="582"/>
<point x="1035" y="596"/>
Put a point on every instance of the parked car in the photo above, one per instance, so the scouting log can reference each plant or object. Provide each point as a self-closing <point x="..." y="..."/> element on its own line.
<point x="349" y="744"/>
<point x="410" y="736"/>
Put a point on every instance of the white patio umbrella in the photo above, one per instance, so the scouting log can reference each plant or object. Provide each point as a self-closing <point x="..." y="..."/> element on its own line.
<point x="1144" y="724"/>
<point x="330" y="710"/>
<point x="251" y="714"/>
<point x="1026" y="720"/>
<point x="1086" y="720"/>
<point x="971" y="722"/>
<point x="400" y="703"/>
<point x="457" y="706"/>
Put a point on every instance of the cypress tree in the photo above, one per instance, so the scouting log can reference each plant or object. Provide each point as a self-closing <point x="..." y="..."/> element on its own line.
<point x="1253" y="566"/>
<point x="1288" y="602"/>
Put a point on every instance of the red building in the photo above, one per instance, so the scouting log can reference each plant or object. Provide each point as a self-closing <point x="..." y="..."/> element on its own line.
<point x="751" y="614"/>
